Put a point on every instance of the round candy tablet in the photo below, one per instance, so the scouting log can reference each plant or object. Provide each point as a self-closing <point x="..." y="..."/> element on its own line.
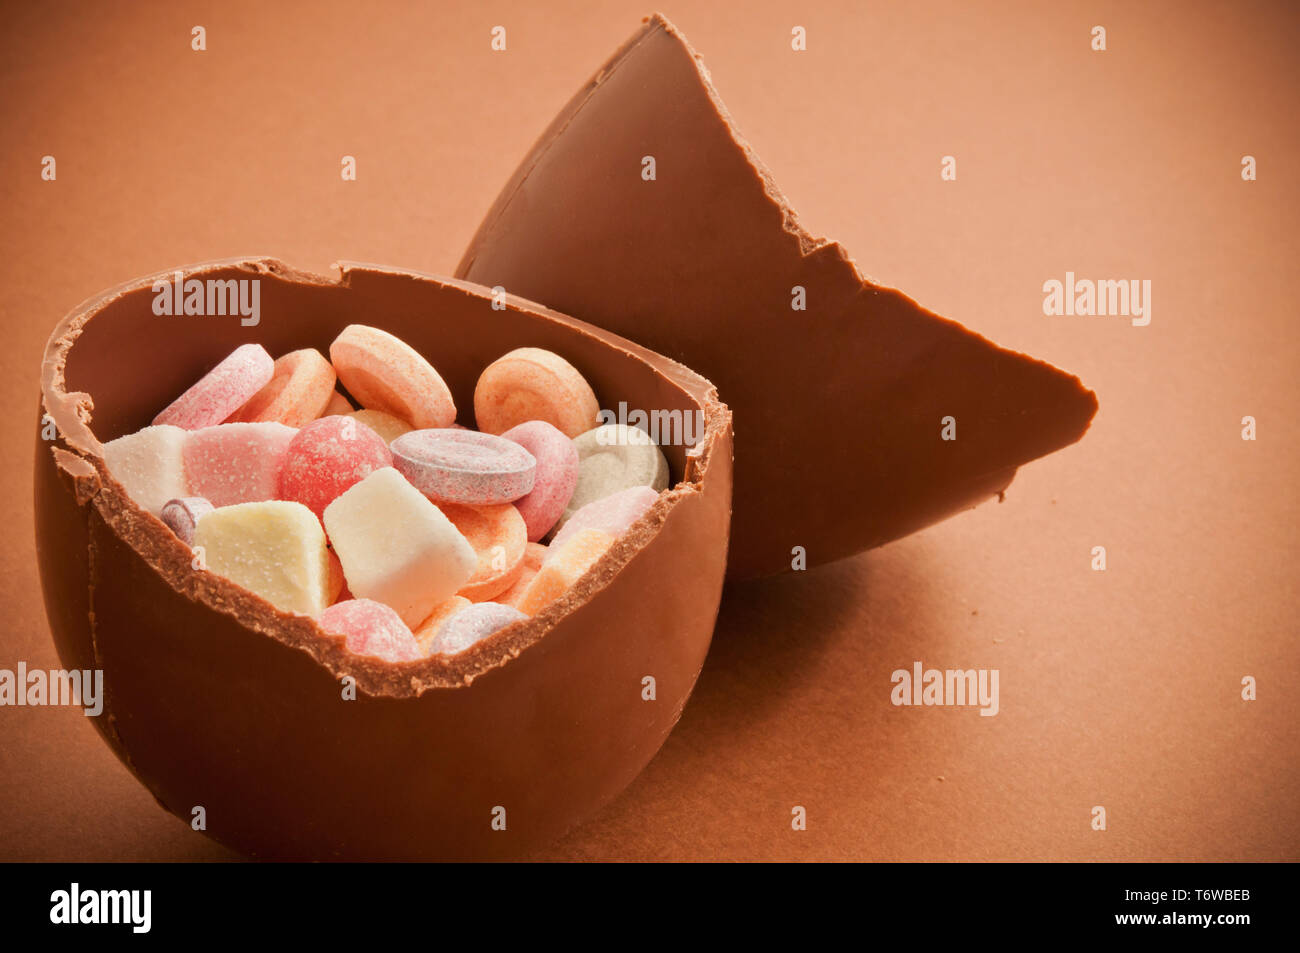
<point x="532" y="384"/>
<point x="464" y="466"/>
<point x="182" y="516"/>
<point x="556" y="477"/>
<point x="613" y="514"/>
<point x="385" y="373"/>
<point x="300" y="389"/>
<point x="371" y="628"/>
<point x="222" y="391"/>
<point x="338" y="589"/>
<point x="386" y="425"/>
<point x="472" y="625"/>
<point x="443" y="611"/>
<point x="612" y="458"/>
<point x="498" y="536"/>
<point x="338" y="405"/>
<point x="327" y="457"/>
<point x="534" y="554"/>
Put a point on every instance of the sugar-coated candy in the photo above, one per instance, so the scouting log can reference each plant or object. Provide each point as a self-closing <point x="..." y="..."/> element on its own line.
<point x="464" y="466"/>
<point x="562" y="567"/>
<point x="385" y="373"/>
<point x="386" y="425"/>
<point x="612" y="514"/>
<point x="534" y="554"/>
<point x="338" y="405"/>
<point x="530" y="383"/>
<point x="222" y="391"/>
<point x="182" y="516"/>
<point x="472" y="625"/>
<point x="614" y="457"/>
<point x="237" y="463"/>
<point x="301" y="387"/>
<point x="396" y="547"/>
<point x="326" y="457"/>
<point x="555" y="479"/>
<point x="275" y="549"/>
<point x="499" y="536"/>
<point x="424" y="635"/>
<point x="338" y="589"/>
<point x="150" y="465"/>
<point x="371" y="628"/>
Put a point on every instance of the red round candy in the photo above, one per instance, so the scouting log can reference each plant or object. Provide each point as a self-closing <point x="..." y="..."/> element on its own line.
<point x="328" y="456"/>
<point x="371" y="628"/>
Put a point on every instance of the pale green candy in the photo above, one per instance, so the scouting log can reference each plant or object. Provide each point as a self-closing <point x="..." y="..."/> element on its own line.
<point x="611" y="458"/>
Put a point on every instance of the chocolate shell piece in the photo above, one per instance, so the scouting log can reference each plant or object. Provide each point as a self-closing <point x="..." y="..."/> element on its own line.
<point x="215" y="699"/>
<point x="839" y="409"/>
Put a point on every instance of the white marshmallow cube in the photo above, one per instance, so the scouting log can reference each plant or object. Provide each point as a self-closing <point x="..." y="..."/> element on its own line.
<point x="396" y="547"/>
<point x="150" y="465"/>
<point x="275" y="549"/>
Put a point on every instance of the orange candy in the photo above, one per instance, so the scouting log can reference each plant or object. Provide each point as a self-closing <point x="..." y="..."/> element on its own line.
<point x="563" y="567"/>
<point x="301" y="387"/>
<point x="387" y="426"/>
<point x="532" y="384"/>
<point x="385" y="373"/>
<point x="441" y="613"/>
<point x="499" y="537"/>
<point x="338" y="406"/>
<point x="338" y="585"/>
<point x="534" y="553"/>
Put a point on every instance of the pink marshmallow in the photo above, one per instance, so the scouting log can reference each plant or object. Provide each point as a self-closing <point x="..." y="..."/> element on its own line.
<point x="222" y="391"/>
<point x="464" y="466"/>
<point x="612" y="514"/>
<point x="327" y="457"/>
<point x="473" y="624"/>
<point x="371" y="628"/>
<point x="555" y="479"/>
<point x="182" y="516"/>
<point x="237" y="463"/>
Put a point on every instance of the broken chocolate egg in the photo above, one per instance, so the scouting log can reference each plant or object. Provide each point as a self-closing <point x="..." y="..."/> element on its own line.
<point x="292" y="747"/>
<point x="841" y="407"/>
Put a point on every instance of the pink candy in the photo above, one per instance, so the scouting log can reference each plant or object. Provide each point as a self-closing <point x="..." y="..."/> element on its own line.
<point x="182" y="516"/>
<point x="471" y="625"/>
<point x="236" y="463"/>
<point x="612" y="514"/>
<point x="556" y="476"/>
<point x="371" y="628"/>
<point x="222" y="391"/>
<point x="327" y="457"/>
<point x="464" y="466"/>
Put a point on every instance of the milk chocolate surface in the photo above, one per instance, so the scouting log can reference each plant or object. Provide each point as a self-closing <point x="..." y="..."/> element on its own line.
<point x="839" y="408"/>
<point x="216" y="699"/>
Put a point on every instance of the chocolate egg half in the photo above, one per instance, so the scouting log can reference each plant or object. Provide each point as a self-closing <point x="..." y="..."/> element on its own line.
<point x="842" y="404"/>
<point x="217" y="700"/>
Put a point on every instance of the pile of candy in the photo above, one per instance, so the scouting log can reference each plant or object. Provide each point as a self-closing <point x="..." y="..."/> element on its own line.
<point x="392" y="526"/>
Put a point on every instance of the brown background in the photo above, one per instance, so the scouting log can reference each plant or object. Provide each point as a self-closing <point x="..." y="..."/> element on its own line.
<point x="1118" y="689"/>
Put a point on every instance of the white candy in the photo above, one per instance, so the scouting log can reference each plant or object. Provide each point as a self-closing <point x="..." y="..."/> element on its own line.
<point x="396" y="547"/>
<point x="611" y="458"/>
<point x="275" y="549"/>
<point x="149" y="463"/>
